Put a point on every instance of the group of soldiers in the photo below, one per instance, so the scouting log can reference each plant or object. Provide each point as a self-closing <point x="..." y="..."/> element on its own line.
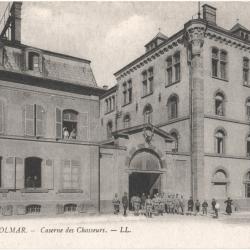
<point x="160" y="203"/>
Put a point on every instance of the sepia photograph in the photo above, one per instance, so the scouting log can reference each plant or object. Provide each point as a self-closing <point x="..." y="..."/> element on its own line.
<point x="124" y="124"/>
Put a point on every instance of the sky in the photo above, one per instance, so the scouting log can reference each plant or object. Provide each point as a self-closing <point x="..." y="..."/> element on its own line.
<point x="112" y="34"/>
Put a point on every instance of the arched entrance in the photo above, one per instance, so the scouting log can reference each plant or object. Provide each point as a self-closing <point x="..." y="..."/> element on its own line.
<point x="145" y="173"/>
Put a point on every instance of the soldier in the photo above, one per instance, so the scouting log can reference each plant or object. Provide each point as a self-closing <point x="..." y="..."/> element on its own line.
<point x="116" y="204"/>
<point x="125" y="203"/>
<point x="176" y="204"/>
<point x="181" y="204"/>
<point x="190" y="205"/>
<point x="161" y="204"/>
<point x="216" y="209"/>
<point x="213" y="204"/>
<point x="204" y="207"/>
<point x="171" y="204"/>
<point x="137" y="205"/>
<point x="149" y="206"/>
<point x="197" y="207"/>
<point x="133" y="198"/>
<point x="143" y="199"/>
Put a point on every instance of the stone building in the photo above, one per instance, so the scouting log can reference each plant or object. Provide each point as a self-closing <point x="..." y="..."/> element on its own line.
<point x="192" y="87"/>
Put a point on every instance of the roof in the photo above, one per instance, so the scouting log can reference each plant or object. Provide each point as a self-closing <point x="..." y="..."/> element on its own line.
<point x="158" y="36"/>
<point x="238" y="26"/>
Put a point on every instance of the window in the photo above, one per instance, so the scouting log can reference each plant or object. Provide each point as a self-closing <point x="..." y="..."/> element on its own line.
<point x="219" y="63"/>
<point x="70" y="208"/>
<point x="172" y="107"/>
<point x="127" y="92"/>
<point x="247" y="184"/>
<point x="147" y="82"/>
<point x="110" y="104"/>
<point x="176" y="142"/>
<point x="32" y="172"/>
<point x="0" y="172"/>
<point x="1" y="117"/>
<point x="70" y="118"/>
<point x="219" y="104"/>
<point x="124" y="93"/>
<point x="173" y="68"/>
<point x="147" y="113"/>
<point x="33" y="61"/>
<point x="33" y="209"/>
<point x="109" y="129"/>
<point x="248" y="146"/>
<point x="34" y="116"/>
<point x="71" y="174"/>
<point x="245" y="71"/>
<point x="248" y="108"/>
<point x="126" y="121"/>
<point x="220" y="141"/>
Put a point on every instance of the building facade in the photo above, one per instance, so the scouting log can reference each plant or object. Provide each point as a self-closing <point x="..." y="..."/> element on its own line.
<point x="177" y="121"/>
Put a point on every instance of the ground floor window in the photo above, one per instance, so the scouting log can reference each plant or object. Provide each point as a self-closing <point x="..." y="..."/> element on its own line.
<point x="70" y="208"/>
<point x="33" y="209"/>
<point x="33" y="172"/>
<point x="247" y="185"/>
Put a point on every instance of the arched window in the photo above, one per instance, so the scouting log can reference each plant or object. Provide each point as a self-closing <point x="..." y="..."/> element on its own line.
<point x="219" y="104"/>
<point x="70" y="208"/>
<point x="33" y="209"/>
<point x="109" y="129"/>
<point x="248" y="108"/>
<point x="247" y="184"/>
<point x="126" y="121"/>
<point x="248" y="146"/>
<point x="147" y="113"/>
<point x="220" y="141"/>
<point x="219" y="188"/>
<point x="172" y="107"/>
<point x="176" y="142"/>
<point x="70" y="119"/>
<point x="33" y="175"/>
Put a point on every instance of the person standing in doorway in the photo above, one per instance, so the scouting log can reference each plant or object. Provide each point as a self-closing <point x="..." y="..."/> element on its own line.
<point x="213" y="204"/>
<point x="216" y="209"/>
<point x="148" y="206"/>
<point x="125" y="203"/>
<point x="116" y="204"/>
<point x="204" y="207"/>
<point x="228" y="206"/>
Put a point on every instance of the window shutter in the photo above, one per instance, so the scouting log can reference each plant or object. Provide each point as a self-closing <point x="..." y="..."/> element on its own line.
<point x="48" y="174"/>
<point x="19" y="173"/>
<point x="1" y="117"/>
<point x="40" y="114"/>
<point x="9" y="173"/>
<point x="83" y="126"/>
<point x="75" y="174"/>
<point x="58" y="123"/>
<point x="66" y="174"/>
<point x="29" y="120"/>
<point x="40" y="63"/>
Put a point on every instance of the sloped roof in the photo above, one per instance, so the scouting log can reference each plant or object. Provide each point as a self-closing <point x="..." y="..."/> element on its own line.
<point x="238" y="26"/>
<point x="158" y="36"/>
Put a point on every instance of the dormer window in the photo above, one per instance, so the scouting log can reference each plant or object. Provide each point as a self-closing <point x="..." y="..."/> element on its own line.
<point x="33" y="61"/>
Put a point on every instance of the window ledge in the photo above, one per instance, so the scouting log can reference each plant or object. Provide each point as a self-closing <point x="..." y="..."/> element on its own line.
<point x="171" y="84"/>
<point x="218" y="78"/>
<point x="4" y="190"/>
<point x="126" y="104"/>
<point x="151" y="93"/>
<point x="34" y="190"/>
<point x="70" y="190"/>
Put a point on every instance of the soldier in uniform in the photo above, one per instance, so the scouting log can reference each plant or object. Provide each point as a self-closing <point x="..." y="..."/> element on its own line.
<point x="137" y="205"/>
<point x="125" y="203"/>
<point x="143" y="200"/>
<point x="197" y="207"/>
<point x="204" y="207"/>
<point x="176" y="204"/>
<point x="149" y="206"/>
<point x="190" y="205"/>
<point x="161" y="204"/>
<point x="116" y="204"/>
<point x="181" y="204"/>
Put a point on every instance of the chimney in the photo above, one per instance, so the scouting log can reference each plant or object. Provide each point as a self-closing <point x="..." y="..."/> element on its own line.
<point x="15" y="12"/>
<point x="209" y="13"/>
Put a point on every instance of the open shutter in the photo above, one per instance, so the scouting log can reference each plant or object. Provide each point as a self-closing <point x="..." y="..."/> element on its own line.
<point x="19" y="173"/>
<point x="75" y="174"/>
<point x="58" y="123"/>
<point x="48" y="174"/>
<point x="29" y="120"/>
<point x="83" y="126"/>
<point x="9" y="173"/>
<point x="66" y="172"/>
<point x="1" y="117"/>
<point x="40" y="114"/>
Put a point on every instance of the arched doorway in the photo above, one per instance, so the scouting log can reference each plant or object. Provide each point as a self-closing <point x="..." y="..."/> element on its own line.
<point x="145" y="173"/>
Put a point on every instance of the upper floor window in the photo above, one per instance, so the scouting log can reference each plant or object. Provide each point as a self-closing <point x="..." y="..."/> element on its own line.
<point x="33" y="61"/>
<point x="172" y="107"/>
<point x="245" y="71"/>
<point x="248" y="108"/>
<point x="220" y="141"/>
<point x="110" y="104"/>
<point x="247" y="184"/>
<point x="219" y="104"/>
<point x="70" y="118"/>
<point x="248" y="145"/>
<point x="173" y="68"/>
<point x="109" y="129"/>
<point x="34" y="116"/>
<point x="1" y="117"/>
<point x="219" y="63"/>
<point x="127" y="92"/>
<point x="147" y="82"/>
<point x="147" y="113"/>
<point x="126" y="121"/>
<point x="176" y="141"/>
